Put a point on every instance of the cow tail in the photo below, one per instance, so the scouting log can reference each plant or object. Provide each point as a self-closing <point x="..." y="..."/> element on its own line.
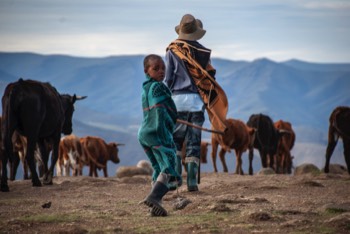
<point x="6" y="122"/>
<point x="92" y="158"/>
<point x="339" y="131"/>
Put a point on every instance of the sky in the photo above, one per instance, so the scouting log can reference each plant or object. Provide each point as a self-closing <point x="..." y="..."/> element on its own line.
<point x="309" y="30"/>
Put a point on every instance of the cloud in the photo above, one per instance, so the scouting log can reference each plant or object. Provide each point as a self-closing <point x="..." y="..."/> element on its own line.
<point x="243" y="31"/>
<point x="330" y="5"/>
<point x="93" y="44"/>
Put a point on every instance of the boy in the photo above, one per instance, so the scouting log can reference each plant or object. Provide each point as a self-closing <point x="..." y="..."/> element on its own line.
<point x="155" y="133"/>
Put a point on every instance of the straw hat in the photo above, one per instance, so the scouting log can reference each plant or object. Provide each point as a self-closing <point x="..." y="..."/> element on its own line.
<point x="190" y="28"/>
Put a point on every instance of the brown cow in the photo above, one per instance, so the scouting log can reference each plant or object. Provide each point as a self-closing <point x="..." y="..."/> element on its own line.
<point x="238" y="137"/>
<point x="285" y="145"/>
<point x="70" y="156"/>
<point x="20" y="150"/>
<point x="98" y="152"/>
<point x="203" y="153"/>
<point x="339" y="127"/>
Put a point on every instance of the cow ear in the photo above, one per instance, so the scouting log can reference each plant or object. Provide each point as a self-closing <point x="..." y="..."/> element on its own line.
<point x="251" y="131"/>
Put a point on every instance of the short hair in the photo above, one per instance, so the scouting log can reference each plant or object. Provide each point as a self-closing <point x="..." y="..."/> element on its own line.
<point x="150" y="57"/>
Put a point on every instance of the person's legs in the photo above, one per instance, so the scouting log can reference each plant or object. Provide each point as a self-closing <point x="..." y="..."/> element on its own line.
<point x="179" y="138"/>
<point x="166" y="159"/>
<point x="154" y="199"/>
<point x="153" y="161"/>
<point x="168" y="177"/>
<point x="194" y="137"/>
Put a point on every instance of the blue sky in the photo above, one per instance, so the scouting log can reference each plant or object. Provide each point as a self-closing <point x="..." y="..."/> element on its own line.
<point x="310" y="30"/>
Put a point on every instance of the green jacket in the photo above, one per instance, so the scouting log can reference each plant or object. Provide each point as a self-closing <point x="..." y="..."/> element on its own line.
<point x="159" y="115"/>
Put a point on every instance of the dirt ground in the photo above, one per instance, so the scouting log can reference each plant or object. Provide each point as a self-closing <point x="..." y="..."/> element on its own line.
<point x="226" y="203"/>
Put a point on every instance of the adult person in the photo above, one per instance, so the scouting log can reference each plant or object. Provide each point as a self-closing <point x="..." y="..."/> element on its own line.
<point x="191" y="79"/>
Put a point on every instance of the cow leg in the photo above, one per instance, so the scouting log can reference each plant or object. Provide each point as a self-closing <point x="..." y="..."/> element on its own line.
<point x="8" y="154"/>
<point x="31" y="162"/>
<point x="66" y="171"/>
<point x="93" y="170"/>
<point x="80" y="167"/>
<point x="223" y="160"/>
<point x="25" y="168"/>
<point x="4" y="185"/>
<point x="105" y="173"/>
<point x="287" y="162"/>
<point x="14" y="163"/>
<point x="213" y="154"/>
<point x="271" y="161"/>
<point x="346" y="143"/>
<point x="239" y="162"/>
<point x="44" y="156"/>
<point x="282" y="163"/>
<point x="251" y="156"/>
<point x="49" y="174"/>
<point x="263" y="157"/>
<point x="332" y="142"/>
<point x="277" y="162"/>
<point x="58" y="169"/>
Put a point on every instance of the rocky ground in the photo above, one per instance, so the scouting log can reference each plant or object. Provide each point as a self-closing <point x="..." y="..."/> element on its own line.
<point x="311" y="202"/>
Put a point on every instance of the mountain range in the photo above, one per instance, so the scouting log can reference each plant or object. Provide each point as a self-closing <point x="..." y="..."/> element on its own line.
<point x="303" y="93"/>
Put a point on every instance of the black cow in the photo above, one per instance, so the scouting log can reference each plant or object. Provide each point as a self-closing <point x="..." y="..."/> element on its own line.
<point x="265" y="141"/>
<point x="37" y="111"/>
<point x="339" y="126"/>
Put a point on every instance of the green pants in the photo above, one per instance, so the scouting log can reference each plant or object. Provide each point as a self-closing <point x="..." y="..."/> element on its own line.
<point x="163" y="161"/>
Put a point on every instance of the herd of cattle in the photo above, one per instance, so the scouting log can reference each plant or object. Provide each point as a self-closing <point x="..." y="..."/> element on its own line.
<point x="35" y="115"/>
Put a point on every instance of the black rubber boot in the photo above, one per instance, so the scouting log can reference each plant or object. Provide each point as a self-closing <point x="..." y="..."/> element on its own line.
<point x="173" y="185"/>
<point x="192" y="170"/>
<point x="154" y="199"/>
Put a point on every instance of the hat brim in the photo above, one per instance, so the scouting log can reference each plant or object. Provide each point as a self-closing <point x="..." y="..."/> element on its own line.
<point x="198" y="34"/>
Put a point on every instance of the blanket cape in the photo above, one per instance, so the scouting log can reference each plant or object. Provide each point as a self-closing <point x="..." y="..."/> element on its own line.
<point x="212" y="94"/>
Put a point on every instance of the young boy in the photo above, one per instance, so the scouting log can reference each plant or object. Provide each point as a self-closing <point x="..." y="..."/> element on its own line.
<point x="156" y="133"/>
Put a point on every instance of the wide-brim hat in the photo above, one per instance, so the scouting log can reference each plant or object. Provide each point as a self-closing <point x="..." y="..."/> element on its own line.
<point x="190" y="28"/>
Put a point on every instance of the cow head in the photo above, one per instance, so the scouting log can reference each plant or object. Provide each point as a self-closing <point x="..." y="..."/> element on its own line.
<point x="68" y="106"/>
<point x="113" y="152"/>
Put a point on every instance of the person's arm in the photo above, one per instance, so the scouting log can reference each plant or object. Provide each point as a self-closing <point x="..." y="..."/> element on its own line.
<point x="170" y="67"/>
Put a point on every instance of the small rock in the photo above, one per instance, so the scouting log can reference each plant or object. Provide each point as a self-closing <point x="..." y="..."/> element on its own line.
<point x="181" y="203"/>
<point x="307" y="168"/>
<point x="266" y="171"/>
<point x="46" y="205"/>
<point x="260" y="216"/>
<point x="219" y="207"/>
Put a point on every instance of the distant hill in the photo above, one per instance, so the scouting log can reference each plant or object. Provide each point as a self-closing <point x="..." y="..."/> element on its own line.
<point x="302" y="93"/>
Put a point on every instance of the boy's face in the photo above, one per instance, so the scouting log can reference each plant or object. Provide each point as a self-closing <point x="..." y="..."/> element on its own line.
<point x="156" y="69"/>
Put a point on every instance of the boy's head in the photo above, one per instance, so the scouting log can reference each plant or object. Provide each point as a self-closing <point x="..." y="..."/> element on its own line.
<point x="154" y="67"/>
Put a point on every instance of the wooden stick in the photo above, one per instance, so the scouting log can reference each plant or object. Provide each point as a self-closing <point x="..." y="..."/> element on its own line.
<point x="199" y="127"/>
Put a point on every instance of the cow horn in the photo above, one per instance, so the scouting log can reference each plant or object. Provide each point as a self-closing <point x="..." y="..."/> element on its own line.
<point x="80" y="97"/>
<point x="284" y="131"/>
